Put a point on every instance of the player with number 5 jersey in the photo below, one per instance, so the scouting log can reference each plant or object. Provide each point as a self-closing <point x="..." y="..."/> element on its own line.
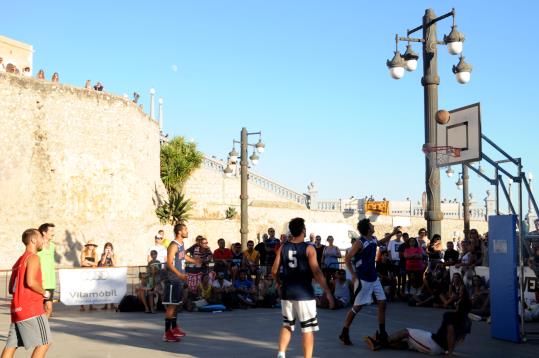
<point x="294" y="268"/>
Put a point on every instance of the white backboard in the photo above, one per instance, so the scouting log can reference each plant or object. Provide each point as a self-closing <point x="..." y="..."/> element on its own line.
<point x="463" y="131"/>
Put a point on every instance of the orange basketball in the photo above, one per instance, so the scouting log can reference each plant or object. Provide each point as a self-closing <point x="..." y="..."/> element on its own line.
<point x="443" y="116"/>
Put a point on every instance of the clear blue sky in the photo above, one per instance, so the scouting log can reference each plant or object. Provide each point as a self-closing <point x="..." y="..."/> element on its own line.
<point x="310" y="74"/>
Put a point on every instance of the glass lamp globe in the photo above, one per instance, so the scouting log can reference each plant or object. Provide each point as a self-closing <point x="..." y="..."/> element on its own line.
<point x="396" y="72"/>
<point x="411" y="65"/>
<point x="463" y="77"/>
<point x="454" y="48"/>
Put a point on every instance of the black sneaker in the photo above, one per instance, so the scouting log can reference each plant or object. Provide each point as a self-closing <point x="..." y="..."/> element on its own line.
<point x="345" y="339"/>
<point x="372" y="343"/>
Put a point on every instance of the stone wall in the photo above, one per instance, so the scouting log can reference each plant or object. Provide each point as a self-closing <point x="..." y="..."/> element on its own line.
<point x="87" y="161"/>
<point x="213" y="193"/>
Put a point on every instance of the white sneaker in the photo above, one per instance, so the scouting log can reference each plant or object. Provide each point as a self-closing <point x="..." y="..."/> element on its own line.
<point x="281" y="355"/>
<point x="474" y="317"/>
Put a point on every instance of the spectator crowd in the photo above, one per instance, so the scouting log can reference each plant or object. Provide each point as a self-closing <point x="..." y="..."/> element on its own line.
<point x="413" y="269"/>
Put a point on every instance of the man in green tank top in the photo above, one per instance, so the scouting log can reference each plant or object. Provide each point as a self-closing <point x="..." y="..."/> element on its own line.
<point x="48" y="265"/>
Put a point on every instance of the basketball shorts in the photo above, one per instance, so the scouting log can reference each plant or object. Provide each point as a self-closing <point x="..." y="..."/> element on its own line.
<point x="30" y="333"/>
<point x="173" y="293"/>
<point x="368" y="289"/>
<point x="304" y="311"/>
<point x="421" y="341"/>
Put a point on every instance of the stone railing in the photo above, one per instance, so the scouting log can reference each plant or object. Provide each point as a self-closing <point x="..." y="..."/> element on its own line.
<point x="328" y="205"/>
<point x="263" y="182"/>
<point x="450" y="210"/>
<point x="396" y="208"/>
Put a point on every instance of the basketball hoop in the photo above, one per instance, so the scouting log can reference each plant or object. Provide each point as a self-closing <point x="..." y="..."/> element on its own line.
<point x="440" y="154"/>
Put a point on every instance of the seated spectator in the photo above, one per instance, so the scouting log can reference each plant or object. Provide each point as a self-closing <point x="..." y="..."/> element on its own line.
<point x="267" y="292"/>
<point x="342" y="289"/>
<point x="98" y="87"/>
<point x="156" y="280"/>
<point x="385" y="272"/>
<point x="26" y="72"/>
<point x="224" y="291"/>
<point x="455" y="292"/>
<point x="145" y="293"/>
<point x="251" y="259"/>
<point x="55" y="77"/>
<point x="236" y="261"/>
<point x="434" y="251"/>
<point x="434" y="284"/>
<point x="451" y="256"/>
<point x="153" y="260"/>
<point x="221" y="258"/>
<point x="108" y="259"/>
<point x="41" y="75"/>
<point x="205" y="289"/>
<point x="480" y="297"/>
<point x="245" y="290"/>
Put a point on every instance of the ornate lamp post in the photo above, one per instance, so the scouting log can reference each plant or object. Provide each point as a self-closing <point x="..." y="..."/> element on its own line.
<point x="244" y="173"/>
<point x="430" y="82"/>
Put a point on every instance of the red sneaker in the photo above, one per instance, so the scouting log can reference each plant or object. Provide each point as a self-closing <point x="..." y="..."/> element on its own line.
<point x="170" y="337"/>
<point x="178" y="332"/>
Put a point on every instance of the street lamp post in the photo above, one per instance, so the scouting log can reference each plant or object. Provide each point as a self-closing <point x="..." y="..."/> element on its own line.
<point x="244" y="175"/>
<point x="152" y="95"/>
<point x="430" y="82"/>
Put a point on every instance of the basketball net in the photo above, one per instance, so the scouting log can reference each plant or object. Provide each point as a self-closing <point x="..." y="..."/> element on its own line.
<point x="440" y="155"/>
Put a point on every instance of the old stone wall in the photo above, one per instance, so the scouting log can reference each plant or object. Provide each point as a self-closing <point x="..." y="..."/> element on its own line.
<point x="87" y="161"/>
<point x="213" y="193"/>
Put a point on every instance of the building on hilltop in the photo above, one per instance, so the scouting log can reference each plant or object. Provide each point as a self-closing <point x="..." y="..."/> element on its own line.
<point x="16" y="53"/>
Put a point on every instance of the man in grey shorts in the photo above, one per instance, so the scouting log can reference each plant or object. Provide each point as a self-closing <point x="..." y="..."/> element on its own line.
<point x="29" y="324"/>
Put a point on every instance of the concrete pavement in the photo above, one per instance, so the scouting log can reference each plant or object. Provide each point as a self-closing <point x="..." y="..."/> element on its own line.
<point x="241" y="333"/>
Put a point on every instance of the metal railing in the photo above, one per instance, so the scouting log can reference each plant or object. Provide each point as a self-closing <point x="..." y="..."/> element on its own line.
<point x="263" y="182"/>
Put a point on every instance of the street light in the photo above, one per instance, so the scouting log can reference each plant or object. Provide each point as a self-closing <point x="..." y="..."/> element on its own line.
<point x="459" y="183"/>
<point x="449" y="172"/>
<point x="244" y="172"/>
<point x="430" y="82"/>
<point x="152" y="94"/>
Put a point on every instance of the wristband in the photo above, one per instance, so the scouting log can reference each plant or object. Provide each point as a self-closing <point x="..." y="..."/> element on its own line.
<point x="46" y="294"/>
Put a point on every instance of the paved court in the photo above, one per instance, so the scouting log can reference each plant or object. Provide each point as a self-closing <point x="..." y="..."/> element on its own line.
<point x="241" y="333"/>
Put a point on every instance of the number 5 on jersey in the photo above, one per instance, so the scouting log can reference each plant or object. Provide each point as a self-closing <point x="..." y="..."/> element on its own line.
<point x="292" y="260"/>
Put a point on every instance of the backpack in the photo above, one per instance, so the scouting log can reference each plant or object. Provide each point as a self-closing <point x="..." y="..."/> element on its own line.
<point x="130" y="303"/>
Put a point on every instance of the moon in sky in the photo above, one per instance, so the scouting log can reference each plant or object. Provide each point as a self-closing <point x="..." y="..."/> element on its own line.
<point x="174" y="68"/>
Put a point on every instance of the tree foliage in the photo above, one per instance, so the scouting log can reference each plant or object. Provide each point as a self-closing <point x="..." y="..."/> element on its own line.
<point x="178" y="160"/>
<point x="174" y="210"/>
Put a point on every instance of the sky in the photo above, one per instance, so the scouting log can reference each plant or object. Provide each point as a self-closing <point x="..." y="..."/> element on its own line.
<point x="309" y="74"/>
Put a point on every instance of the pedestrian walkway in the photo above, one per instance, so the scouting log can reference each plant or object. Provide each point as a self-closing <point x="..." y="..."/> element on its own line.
<point x="241" y="333"/>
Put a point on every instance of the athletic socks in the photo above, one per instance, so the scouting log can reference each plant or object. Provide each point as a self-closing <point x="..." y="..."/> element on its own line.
<point x="281" y="355"/>
<point x="173" y="322"/>
<point x="382" y="329"/>
<point x="168" y="324"/>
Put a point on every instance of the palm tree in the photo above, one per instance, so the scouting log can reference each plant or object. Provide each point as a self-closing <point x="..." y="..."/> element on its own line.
<point x="175" y="210"/>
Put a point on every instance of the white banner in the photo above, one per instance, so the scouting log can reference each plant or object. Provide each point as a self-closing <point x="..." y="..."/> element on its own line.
<point x="86" y="286"/>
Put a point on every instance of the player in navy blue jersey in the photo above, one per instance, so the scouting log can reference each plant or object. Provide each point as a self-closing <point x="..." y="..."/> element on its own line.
<point x="360" y="261"/>
<point x="294" y="268"/>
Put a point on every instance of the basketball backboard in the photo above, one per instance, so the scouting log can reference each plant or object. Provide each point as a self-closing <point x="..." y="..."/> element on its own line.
<point x="463" y="131"/>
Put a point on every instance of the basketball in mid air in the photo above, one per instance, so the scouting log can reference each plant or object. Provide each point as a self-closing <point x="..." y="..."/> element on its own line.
<point x="443" y="116"/>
